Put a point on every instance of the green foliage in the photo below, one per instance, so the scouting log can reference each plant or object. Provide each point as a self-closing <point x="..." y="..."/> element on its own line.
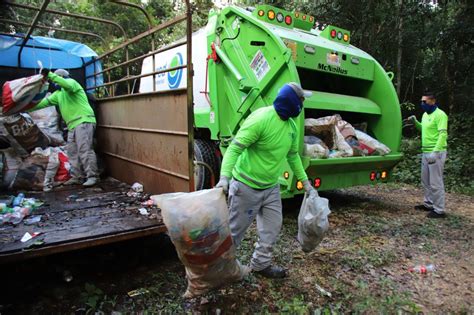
<point x="91" y="296"/>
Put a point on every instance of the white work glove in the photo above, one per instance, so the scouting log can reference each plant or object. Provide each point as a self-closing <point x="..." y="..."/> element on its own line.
<point x="224" y="184"/>
<point x="412" y="119"/>
<point x="309" y="189"/>
<point x="431" y="158"/>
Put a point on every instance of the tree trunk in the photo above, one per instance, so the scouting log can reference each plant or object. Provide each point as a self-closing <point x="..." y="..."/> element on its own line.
<point x="400" y="50"/>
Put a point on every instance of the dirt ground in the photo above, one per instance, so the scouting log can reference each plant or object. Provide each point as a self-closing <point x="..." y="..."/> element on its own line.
<point x="360" y="267"/>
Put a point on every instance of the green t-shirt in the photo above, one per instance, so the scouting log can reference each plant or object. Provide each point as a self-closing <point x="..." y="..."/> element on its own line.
<point x="258" y="152"/>
<point x="72" y="102"/>
<point x="434" y="131"/>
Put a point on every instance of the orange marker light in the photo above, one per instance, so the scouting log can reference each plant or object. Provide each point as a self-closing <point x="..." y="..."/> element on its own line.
<point x="261" y="13"/>
<point x="311" y="19"/>
<point x="271" y="15"/>
<point x="304" y="17"/>
<point x="384" y="175"/>
<point x="297" y="15"/>
<point x="346" y="37"/>
<point x="286" y="175"/>
<point x="299" y="185"/>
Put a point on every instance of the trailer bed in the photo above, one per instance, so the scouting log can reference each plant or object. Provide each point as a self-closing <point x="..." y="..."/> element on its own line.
<point x="76" y="217"/>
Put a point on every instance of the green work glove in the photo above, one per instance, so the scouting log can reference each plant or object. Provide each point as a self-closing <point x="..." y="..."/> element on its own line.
<point x="224" y="184"/>
<point x="309" y="189"/>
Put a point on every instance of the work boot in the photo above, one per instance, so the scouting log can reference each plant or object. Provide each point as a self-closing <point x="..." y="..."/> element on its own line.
<point x="72" y="181"/>
<point x="435" y="215"/>
<point x="91" y="181"/>
<point x="423" y="208"/>
<point x="274" y="272"/>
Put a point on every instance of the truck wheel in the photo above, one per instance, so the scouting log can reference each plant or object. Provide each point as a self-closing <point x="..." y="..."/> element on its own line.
<point x="205" y="151"/>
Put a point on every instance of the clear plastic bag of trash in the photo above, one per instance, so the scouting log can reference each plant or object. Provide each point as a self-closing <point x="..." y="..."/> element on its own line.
<point x="312" y="221"/>
<point x="198" y="225"/>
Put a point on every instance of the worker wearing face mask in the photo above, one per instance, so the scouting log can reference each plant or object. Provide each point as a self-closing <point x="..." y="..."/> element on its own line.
<point x="80" y="120"/>
<point x="254" y="160"/>
<point x="434" y="134"/>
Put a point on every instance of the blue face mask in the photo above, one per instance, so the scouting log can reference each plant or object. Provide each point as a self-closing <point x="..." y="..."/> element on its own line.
<point x="428" y="108"/>
<point x="55" y="86"/>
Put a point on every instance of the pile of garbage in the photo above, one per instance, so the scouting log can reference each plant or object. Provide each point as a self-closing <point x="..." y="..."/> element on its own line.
<point x="32" y="156"/>
<point x="15" y="208"/>
<point x="333" y="137"/>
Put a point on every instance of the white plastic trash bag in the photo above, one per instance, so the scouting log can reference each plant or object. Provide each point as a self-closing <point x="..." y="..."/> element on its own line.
<point x="372" y="143"/>
<point x="313" y="221"/>
<point x="198" y="224"/>
<point x="21" y="94"/>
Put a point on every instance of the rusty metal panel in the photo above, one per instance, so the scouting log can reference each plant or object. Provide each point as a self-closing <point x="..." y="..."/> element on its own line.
<point x="144" y="138"/>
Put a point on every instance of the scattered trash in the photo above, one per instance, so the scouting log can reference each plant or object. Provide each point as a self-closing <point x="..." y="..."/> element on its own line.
<point x="148" y="203"/>
<point x="67" y="276"/>
<point x="32" y="220"/>
<point x="29" y="236"/>
<point x="72" y="197"/>
<point x="138" y="292"/>
<point x="35" y="244"/>
<point x="143" y="211"/>
<point x="322" y="291"/>
<point x="16" y="214"/>
<point x="137" y="187"/>
<point x="422" y="269"/>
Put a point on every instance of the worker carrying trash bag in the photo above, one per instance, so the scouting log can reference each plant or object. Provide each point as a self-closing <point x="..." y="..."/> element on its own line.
<point x="254" y="159"/>
<point x="80" y="120"/>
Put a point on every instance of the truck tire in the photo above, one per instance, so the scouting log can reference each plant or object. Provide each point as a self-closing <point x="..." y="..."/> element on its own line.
<point x="205" y="151"/>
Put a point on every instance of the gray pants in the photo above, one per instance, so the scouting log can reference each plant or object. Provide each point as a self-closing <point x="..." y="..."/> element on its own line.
<point x="245" y="204"/>
<point x="432" y="181"/>
<point x="80" y="151"/>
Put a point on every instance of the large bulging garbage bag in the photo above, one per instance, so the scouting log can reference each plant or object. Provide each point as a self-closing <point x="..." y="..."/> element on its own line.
<point x="312" y="221"/>
<point x="21" y="94"/>
<point x="198" y="224"/>
<point x="26" y="133"/>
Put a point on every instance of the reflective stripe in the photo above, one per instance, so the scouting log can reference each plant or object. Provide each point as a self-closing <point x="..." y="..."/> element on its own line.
<point x="80" y="117"/>
<point x="254" y="181"/>
<point x="237" y="143"/>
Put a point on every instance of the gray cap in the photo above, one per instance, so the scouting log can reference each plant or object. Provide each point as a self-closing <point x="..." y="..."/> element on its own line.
<point x="62" y="73"/>
<point x="299" y="90"/>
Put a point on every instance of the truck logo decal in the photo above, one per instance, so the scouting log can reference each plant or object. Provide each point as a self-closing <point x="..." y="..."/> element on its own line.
<point x="328" y="68"/>
<point x="175" y="76"/>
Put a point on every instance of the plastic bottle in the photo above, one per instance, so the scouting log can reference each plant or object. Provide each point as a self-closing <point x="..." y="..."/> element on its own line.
<point x="422" y="269"/>
<point x="17" y="201"/>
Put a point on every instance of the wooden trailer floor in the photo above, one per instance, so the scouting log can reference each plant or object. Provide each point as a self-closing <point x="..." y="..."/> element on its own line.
<point x="75" y="217"/>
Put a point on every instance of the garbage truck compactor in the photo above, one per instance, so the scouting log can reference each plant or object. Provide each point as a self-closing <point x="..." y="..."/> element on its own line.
<point x="243" y="57"/>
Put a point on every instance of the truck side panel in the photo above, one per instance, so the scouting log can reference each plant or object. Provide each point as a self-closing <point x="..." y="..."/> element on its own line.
<point x="145" y="138"/>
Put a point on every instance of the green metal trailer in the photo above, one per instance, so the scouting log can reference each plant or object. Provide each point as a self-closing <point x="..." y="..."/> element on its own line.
<point x="243" y="57"/>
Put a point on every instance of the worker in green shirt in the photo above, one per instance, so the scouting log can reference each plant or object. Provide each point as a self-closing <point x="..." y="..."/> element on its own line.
<point x="81" y="123"/>
<point x="254" y="160"/>
<point x="434" y="134"/>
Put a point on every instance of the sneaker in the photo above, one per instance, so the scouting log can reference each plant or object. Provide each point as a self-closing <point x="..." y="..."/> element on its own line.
<point x="274" y="272"/>
<point x="91" y="181"/>
<point x="435" y="215"/>
<point x="423" y="208"/>
<point x="72" y="181"/>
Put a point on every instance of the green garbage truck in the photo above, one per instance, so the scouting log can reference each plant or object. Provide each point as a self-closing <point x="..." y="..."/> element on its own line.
<point x="244" y="56"/>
